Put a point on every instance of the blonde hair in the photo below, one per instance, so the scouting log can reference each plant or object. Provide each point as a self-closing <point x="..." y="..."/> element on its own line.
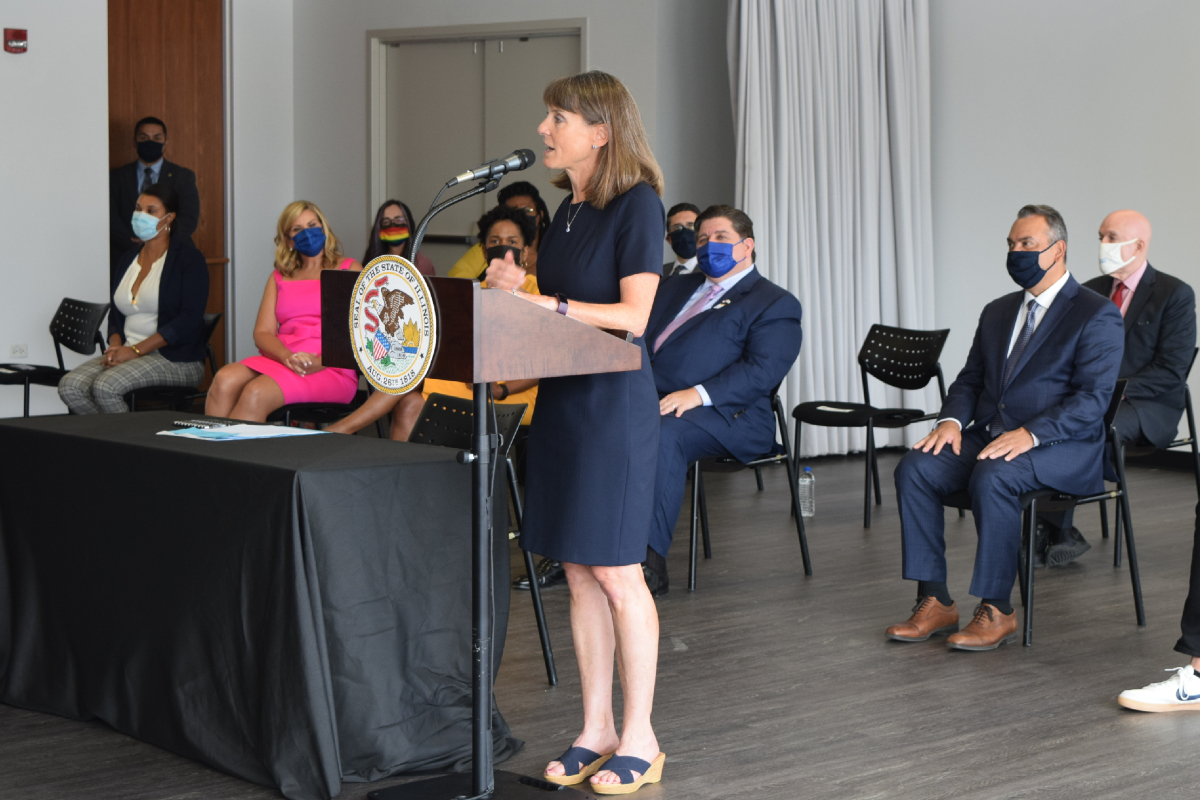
<point x="626" y="160"/>
<point x="287" y="260"/>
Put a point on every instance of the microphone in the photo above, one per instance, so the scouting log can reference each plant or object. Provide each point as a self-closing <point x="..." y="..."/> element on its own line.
<point x="520" y="159"/>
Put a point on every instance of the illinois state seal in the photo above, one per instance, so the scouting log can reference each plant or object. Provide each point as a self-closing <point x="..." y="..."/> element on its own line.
<point x="393" y="326"/>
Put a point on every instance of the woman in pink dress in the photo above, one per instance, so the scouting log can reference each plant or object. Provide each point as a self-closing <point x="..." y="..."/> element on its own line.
<point x="288" y="329"/>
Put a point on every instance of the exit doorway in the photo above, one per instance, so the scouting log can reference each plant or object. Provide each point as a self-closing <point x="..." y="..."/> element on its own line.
<point x="446" y="100"/>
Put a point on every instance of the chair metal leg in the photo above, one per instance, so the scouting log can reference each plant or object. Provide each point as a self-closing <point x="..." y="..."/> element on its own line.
<point x="535" y="591"/>
<point x="695" y="514"/>
<point x="1118" y="530"/>
<point x="962" y="512"/>
<point x="703" y="514"/>
<point x="875" y="472"/>
<point x="867" y="477"/>
<point x="758" y="477"/>
<point x="1104" y="518"/>
<point x="1027" y="596"/>
<point x="379" y="428"/>
<point x="27" y="397"/>
<point x="792" y="484"/>
<point x="1134" y="577"/>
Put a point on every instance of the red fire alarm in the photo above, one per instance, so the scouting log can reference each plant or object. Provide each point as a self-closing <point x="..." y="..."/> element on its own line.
<point x="16" y="40"/>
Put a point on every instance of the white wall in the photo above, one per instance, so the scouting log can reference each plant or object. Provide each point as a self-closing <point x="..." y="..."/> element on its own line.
<point x="53" y="178"/>
<point x="1087" y="106"/>
<point x="263" y="150"/>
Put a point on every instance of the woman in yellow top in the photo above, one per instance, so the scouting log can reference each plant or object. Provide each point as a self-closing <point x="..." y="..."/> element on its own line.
<point x="524" y="197"/>
<point x="503" y="236"/>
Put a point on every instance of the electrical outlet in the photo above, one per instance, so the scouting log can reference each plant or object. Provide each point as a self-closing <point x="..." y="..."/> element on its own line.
<point x="18" y="351"/>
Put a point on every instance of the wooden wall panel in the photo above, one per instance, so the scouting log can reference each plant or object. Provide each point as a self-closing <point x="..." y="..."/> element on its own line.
<point x="164" y="60"/>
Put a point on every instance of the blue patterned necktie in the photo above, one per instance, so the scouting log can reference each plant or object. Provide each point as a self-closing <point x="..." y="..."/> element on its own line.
<point x="996" y="426"/>
<point x="147" y="179"/>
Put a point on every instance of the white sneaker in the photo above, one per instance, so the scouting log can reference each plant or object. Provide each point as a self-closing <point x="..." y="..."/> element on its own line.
<point x="1180" y="692"/>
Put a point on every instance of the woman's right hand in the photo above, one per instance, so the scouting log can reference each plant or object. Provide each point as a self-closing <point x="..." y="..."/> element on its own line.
<point x="303" y="363"/>
<point x="504" y="274"/>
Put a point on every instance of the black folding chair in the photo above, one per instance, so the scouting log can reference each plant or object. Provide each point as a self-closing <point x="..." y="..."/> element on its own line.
<point x="449" y="422"/>
<point x="179" y="398"/>
<point x="903" y="358"/>
<point x="1136" y="451"/>
<point x="76" y="326"/>
<point x="700" y="506"/>
<point x="1052" y="500"/>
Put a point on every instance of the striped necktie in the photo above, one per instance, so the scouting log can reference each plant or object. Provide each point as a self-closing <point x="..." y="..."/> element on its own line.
<point x="692" y="310"/>
<point x="996" y="426"/>
<point x="147" y="179"/>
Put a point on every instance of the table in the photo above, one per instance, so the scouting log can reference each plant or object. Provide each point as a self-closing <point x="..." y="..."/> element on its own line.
<point x="295" y="612"/>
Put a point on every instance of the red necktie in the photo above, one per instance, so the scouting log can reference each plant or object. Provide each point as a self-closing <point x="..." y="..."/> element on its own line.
<point x="1119" y="296"/>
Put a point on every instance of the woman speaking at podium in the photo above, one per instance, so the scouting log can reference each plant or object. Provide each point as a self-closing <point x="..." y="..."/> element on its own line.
<point x="594" y="441"/>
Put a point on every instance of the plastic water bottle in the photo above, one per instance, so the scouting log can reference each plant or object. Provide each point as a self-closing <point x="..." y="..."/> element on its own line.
<point x="808" y="492"/>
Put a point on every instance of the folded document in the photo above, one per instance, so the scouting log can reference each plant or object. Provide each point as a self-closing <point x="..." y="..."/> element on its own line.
<point x="231" y="432"/>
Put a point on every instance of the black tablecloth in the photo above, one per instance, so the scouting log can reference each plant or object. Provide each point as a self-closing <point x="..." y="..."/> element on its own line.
<point x="294" y="611"/>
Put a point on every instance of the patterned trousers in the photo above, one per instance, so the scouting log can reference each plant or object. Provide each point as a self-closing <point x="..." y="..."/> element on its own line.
<point x="92" y="389"/>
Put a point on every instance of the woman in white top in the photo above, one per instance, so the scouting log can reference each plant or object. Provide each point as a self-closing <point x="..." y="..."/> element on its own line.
<point x="156" y="323"/>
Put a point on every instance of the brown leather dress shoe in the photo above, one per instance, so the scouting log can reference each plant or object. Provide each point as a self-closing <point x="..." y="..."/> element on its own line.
<point x="988" y="630"/>
<point x="929" y="617"/>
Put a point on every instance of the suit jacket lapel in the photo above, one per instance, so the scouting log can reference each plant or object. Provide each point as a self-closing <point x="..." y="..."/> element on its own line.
<point x="683" y="287"/>
<point x="1145" y="290"/>
<point x="728" y="298"/>
<point x="1011" y="314"/>
<point x="1054" y="315"/>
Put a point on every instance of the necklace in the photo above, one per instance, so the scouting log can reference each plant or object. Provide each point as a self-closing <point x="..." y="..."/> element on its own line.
<point x="570" y="218"/>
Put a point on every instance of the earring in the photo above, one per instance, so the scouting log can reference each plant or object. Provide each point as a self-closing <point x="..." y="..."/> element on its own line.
<point x="593" y="147"/>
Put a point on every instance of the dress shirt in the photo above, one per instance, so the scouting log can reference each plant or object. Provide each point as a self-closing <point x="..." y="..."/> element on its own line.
<point x="155" y="169"/>
<point x="725" y="285"/>
<point x="1131" y="284"/>
<point x="1043" y="301"/>
<point x="683" y="268"/>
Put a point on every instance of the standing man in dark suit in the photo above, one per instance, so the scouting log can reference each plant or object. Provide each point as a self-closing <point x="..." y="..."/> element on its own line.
<point x="1025" y="413"/>
<point x="1160" y="336"/>
<point x="126" y="183"/>
<point x="681" y="235"/>
<point x="721" y="339"/>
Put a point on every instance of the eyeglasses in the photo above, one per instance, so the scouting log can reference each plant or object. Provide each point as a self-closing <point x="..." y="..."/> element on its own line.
<point x="691" y="226"/>
<point x="388" y="222"/>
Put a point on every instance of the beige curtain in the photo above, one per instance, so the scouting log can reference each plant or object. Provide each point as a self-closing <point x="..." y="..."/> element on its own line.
<point x="831" y="115"/>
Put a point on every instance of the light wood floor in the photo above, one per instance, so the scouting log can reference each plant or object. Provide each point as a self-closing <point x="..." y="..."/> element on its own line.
<point x="775" y="686"/>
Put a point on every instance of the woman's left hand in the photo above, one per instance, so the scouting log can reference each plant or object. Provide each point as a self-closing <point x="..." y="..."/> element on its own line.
<point x="504" y="274"/>
<point x="304" y="363"/>
<point x="678" y="402"/>
<point x="118" y="355"/>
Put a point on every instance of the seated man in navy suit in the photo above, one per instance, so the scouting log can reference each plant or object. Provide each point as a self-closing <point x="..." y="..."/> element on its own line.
<point x="1025" y="413"/>
<point x="1160" y="337"/>
<point x="720" y="338"/>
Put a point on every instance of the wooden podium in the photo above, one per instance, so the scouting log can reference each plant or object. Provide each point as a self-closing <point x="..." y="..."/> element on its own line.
<point x="485" y="336"/>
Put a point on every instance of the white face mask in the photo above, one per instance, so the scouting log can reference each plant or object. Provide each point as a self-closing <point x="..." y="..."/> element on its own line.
<point x="1110" y="256"/>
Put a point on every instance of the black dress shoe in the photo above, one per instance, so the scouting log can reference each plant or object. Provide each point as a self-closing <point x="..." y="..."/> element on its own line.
<point x="1065" y="547"/>
<point x="654" y="569"/>
<point x="548" y="573"/>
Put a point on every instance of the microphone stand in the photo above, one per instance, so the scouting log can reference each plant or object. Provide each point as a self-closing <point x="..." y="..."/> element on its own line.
<point x="481" y="784"/>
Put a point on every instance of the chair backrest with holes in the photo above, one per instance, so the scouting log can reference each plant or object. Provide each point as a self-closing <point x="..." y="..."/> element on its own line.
<point x="76" y="325"/>
<point x="448" y="421"/>
<point x="900" y="357"/>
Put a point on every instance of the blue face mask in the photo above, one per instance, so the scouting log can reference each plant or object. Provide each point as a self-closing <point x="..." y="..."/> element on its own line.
<point x="310" y="241"/>
<point x="145" y="226"/>
<point x="716" y="258"/>
<point x="1023" y="267"/>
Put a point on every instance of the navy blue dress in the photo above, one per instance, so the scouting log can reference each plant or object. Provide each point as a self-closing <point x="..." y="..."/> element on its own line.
<point x="593" y="445"/>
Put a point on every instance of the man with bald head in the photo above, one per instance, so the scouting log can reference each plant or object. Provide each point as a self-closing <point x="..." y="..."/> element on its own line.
<point x="1160" y="334"/>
